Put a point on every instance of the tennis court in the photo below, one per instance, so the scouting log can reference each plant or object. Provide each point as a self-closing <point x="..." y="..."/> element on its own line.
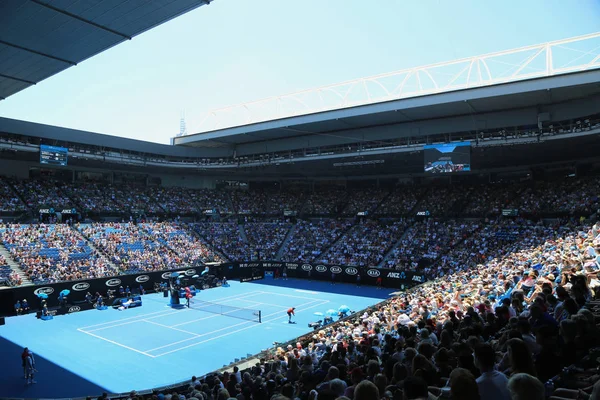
<point x="164" y="332"/>
<point x="155" y="345"/>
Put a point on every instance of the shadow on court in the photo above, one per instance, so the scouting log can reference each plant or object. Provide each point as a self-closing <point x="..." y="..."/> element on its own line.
<point x="52" y="380"/>
<point x="322" y="286"/>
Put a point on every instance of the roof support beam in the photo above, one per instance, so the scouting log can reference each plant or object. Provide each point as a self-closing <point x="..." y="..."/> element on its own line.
<point x="77" y="17"/>
<point x="39" y="53"/>
<point x="14" y="78"/>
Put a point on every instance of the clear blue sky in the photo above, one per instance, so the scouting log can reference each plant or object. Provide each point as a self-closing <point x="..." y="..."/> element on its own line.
<point x="236" y="51"/>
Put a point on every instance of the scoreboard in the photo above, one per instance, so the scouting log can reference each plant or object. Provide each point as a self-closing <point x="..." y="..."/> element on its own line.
<point x="53" y="155"/>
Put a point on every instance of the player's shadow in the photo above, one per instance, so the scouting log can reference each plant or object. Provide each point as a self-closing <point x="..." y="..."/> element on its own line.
<point x="53" y="381"/>
<point x="325" y="286"/>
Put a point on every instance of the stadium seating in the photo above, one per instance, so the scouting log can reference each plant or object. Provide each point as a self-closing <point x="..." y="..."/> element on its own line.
<point x="131" y="248"/>
<point x="365" y="244"/>
<point x="53" y="253"/>
<point x="311" y="237"/>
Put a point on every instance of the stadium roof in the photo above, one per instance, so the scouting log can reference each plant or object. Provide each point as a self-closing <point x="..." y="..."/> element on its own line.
<point x="510" y="104"/>
<point x="39" y="38"/>
<point x="410" y="94"/>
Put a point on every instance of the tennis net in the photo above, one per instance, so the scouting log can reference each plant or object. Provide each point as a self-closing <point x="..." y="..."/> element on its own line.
<point x="229" y="311"/>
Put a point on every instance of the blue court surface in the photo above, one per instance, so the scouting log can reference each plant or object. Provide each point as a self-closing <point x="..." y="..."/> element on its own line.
<point x="154" y="345"/>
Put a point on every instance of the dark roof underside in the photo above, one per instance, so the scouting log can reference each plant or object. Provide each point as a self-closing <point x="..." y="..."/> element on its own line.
<point x="39" y="38"/>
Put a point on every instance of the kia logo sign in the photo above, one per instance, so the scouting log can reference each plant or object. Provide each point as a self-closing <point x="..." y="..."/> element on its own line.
<point x="374" y="273"/>
<point x="80" y="287"/>
<point x="166" y="275"/>
<point x="351" y="271"/>
<point x="45" y="290"/>
<point x="74" y="309"/>
<point x="320" y="268"/>
<point x="307" y="267"/>
<point x="336" y="270"/>
<point x="190" y="272"/>
<point x="142" y="279"/>
<point x="113" y="282"/>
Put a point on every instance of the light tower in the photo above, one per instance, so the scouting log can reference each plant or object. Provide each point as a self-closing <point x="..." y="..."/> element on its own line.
<point x="182" y="128"/>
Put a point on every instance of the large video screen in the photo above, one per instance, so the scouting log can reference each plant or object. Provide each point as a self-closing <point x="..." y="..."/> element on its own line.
<point x="447" y="158"/>
<point x="53" y="155"/>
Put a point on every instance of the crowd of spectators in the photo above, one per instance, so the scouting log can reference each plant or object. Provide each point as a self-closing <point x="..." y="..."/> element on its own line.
<point x="92" y="197"/>
<point x="132" y="197"/>
<point x="569" y="196"/>
<point x="8" y="277"/>
<point x="9" y="200"/>
<point x="131" y="248"/>
<point x="401" y="201"/>
<point x="174" y="200"/>
<point x="265" y="238"/>
<point x="254" y="202"/>
<point x="188" y="246"/>
<point x="364" y="201"/>
<point x="53" y="253"/>
<point x="442" y="201"/>
<point x="311" y="237"/>
<point x="366" y="244"/>
<point x="42" y="193"/>
<point x="507" y="330"/>
<point x="427" y="240"/>
<point x="325" y="201"/>
<point x="484" y="200"/>
<point x="225" y="237"/>
<point x="210" y="199"/>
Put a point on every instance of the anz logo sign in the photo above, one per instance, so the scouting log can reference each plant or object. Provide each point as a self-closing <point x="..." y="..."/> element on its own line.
<point x="373" y="273"/>
<point x="396" y="275"/>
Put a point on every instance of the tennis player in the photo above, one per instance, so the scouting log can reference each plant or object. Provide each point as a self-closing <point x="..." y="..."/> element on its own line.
<point x="291" y="312"/>
<point x="188" y="296"/>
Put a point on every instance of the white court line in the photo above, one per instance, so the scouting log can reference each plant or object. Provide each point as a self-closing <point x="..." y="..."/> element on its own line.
<point x="140" y="318"/>
<point x="169" y="327"/>
<point x="163" y="311"/>
<point x="236" y="331"/>
<point x="305" y="291"/>
<point x="118" y="344"/>
<point x="222" y="329"/>
<point x="125" y="319"/>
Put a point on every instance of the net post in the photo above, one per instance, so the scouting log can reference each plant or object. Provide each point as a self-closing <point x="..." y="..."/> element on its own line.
<point x="259" y="316"/>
